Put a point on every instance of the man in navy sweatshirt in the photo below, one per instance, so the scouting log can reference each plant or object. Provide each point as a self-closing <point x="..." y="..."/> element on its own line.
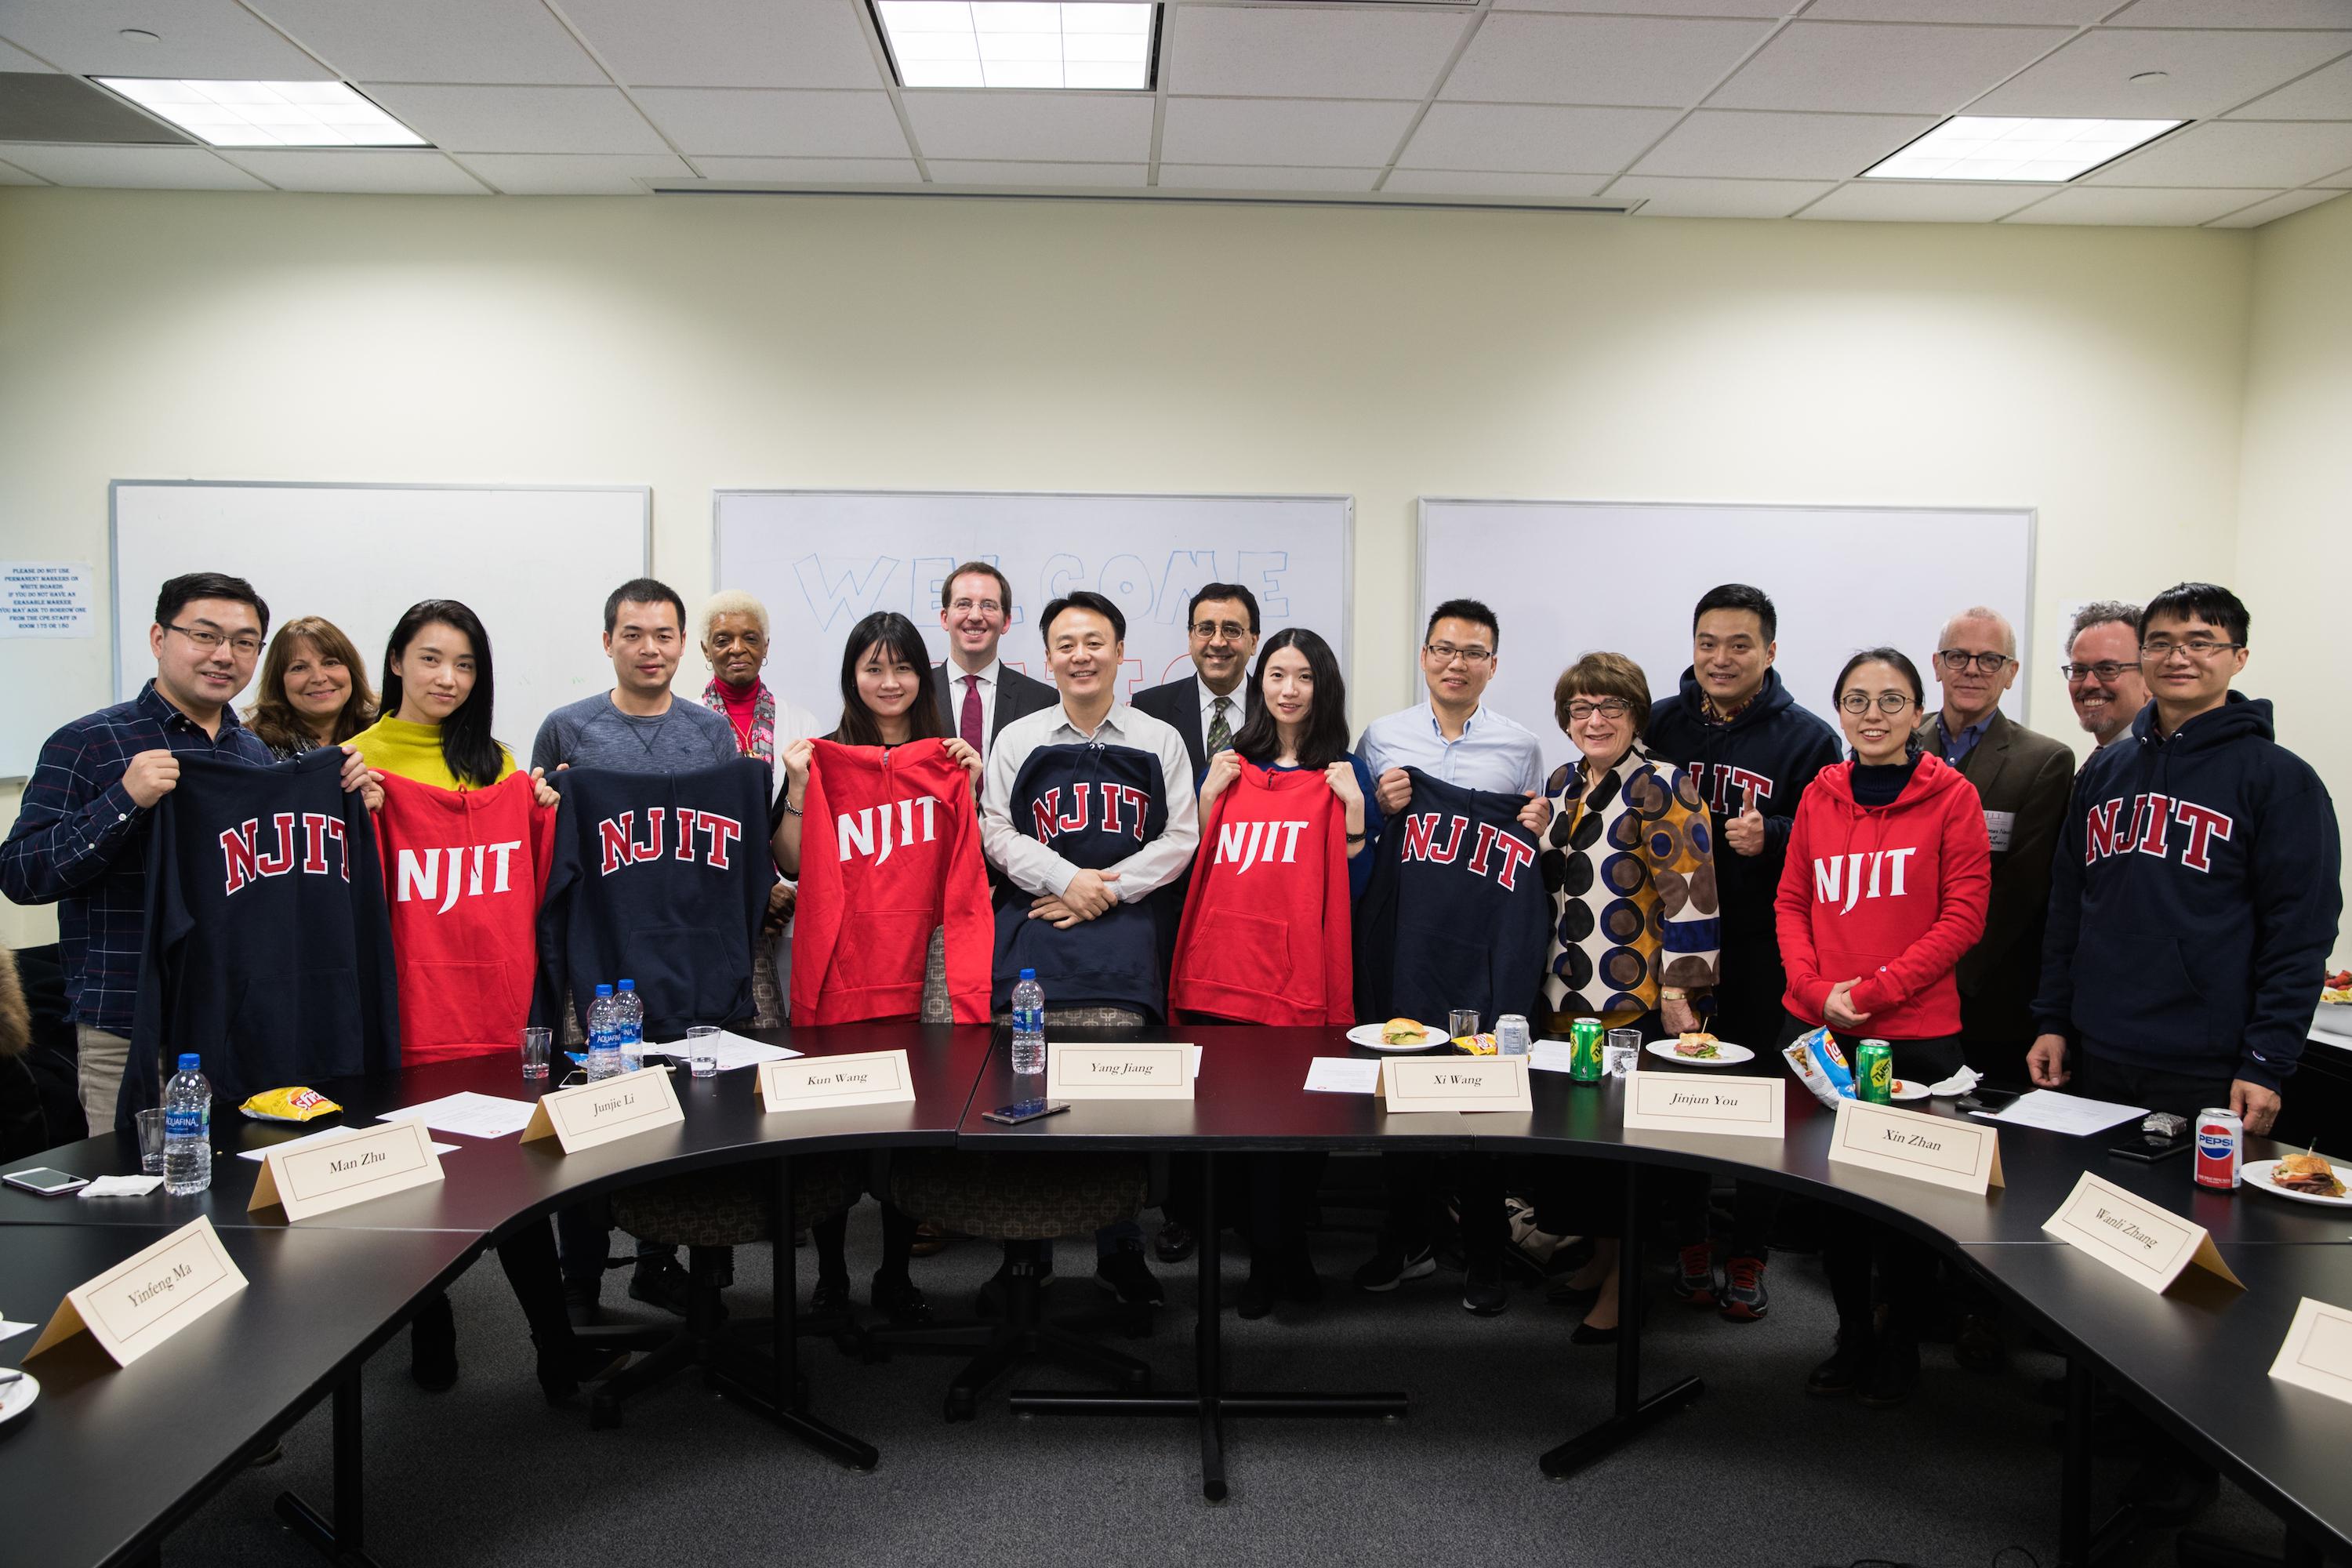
<point x="2195" y="896"/>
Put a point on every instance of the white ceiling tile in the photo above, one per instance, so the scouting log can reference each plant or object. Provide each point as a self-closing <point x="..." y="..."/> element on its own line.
<point x="2235" y="152"/>
<point x="436" y="40"/>
<point x="214" y="39"/>
<point x="813" y="171"/>
<point x="763" y="122"/>
<point x="1243" y="177"/>
<point x="730" y="43"/>
<point x="984" y="172"/>
<point x="2276" y="207"/>
<point x="1256" y="53"/>
<point x="15" y="59"/>
<point x="1533" y="139"/>
<point x="130" y="168"/>
<point x="1480" y="183"/>
<point x="1598" y="59"/>
<point x="2206" y="72"/>
<point x="379" y="173"/>
<point x="574" y="174"/>
<point x="1044" y="126"/>
<point x="2324" y="94"/>
<point x="1725" y="143"/>
<point x="2109" y="204"/>
<point x="1660" y="7"/>
<point x="2050" y="13"/>
<point x="1334" y="133"/>
<point x="1923" y="200"/>
<point x="2232" y="14"/>
<point x="12" y="176"/>
<point x="1716" y="198"/>
<point x="520" y="119"/>
<point x="1856" y="67"/>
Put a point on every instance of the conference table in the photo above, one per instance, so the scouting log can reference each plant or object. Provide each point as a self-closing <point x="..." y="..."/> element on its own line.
<point x="163" y="1434"/>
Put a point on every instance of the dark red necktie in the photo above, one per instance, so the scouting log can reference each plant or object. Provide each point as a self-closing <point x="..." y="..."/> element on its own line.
<point x="970" y="723"/>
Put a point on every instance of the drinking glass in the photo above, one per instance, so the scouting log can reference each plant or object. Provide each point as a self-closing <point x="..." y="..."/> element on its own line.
<point x="151" y="1141"/>
<point x="537" y="1047"/>
<point x="1462" y="1023"/>
<point x="1621" y="1052"/>
<point x="702" y="1050"/>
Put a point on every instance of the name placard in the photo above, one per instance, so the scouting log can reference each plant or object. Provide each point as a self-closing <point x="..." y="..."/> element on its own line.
<point x="2317" y="1355"/>
<point x="347" y="1168"/>
<point x="1119" y="1072"/>
<point x="146" y="1299"/>
<point x="2151" y="1245"/>
<point x="1685" y="1102"/>
<point x="826" y="1083"/>
<point x="1962" y="1155"/>
<point x="1455" y="1083"/>
<point x="596" y="1113"/>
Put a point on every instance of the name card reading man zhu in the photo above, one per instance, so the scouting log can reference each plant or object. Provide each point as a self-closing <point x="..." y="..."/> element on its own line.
<point x="1119" y="1072"/>
<point x="2317" y="1353"/>
<point x="1685" y="1102"/>
<point x="831" y="1083"/>
<point x="1962" y="1155"/>
<point x="2144" y="1243"/>
<point x="149" y="1297"/>
<point x="1455" y="1083"/>
<point x="346" y="1168"/>
<point x="597" y="1113"/>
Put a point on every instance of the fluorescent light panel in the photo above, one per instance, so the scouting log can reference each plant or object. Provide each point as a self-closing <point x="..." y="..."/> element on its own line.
<point x="1085" y="45"/>
<point x="1979" y="147"/>
<point x="266" y="113"/>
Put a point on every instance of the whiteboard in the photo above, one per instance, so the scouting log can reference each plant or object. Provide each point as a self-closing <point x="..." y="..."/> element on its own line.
<point x="535" y="563"/>
<point x="822" y="560"/>
<point x="1566" y="578"/>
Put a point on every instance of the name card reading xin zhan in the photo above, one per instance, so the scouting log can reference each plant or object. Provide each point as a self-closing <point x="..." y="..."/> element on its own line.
<point x="597" y="1113"/>
<point x="1455" y="1083"/>
<point x="831" y="1083"/>
<point x="351" y="1167"/>
<point x="1962" y="1155"/>
<point x="149" y="1297"/>
<point x="1685" y="1102"/>
<point x="1119" y="1072"/>
<point x="2146" y="1244"/>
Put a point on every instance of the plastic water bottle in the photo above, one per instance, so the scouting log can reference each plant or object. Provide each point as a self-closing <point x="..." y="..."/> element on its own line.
<point x="1028" y="1025"/>
<point x="603" y="1037"/>
<point x="187" y="1130"/>
<point x="629" y="1020"/>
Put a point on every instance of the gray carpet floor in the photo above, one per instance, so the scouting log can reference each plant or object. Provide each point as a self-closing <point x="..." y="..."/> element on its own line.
<point x="1965" y="1475"/>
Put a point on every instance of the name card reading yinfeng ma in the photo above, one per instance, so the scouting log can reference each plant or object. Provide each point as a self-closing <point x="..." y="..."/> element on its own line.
<point x="1963" y="1155"/>
<point x="2137" y="1238"/>
<point x="324" y="1175"/>
<point x="597" y="1113"/>
<point x="146" y="1299"/>
<point x="1455" y="1083"/>
<point x="2317" y="1355"/>
<point x="829" y="1083"/>
<point x="1687" y="1102"/>
<point x="1119" y="1072"/>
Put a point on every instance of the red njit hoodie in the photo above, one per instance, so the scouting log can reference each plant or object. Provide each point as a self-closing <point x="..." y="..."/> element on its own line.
<point x="1267" y="934"/>
<point x="1891" y="895"/>
<point x="463" y="871"/>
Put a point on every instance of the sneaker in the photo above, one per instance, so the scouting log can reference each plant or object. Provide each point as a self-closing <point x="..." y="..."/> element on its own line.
<point x="1695" y="1279"/>
<point x="1174" y="1244"/>
<point x="1483" y="1295"/>
<point x="1848" y="1367"/>
<point x="660" y="1282"/>
<point x="1392" y="1267"/>
<point x="1893" y="1372"/>
<point x="580" y="1302"/>
<point x="1122" y="1274"/>
<point x="1744" y="1298"/>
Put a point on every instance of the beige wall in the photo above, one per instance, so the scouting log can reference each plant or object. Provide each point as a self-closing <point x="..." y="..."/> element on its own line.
<point x="690" y="343"/>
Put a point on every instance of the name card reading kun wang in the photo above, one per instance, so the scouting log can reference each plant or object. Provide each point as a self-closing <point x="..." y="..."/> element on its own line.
<point x="149" y="1297"/>
<point x="2146" y="1244"/>
<point x="597" y="1113"/>
<point x="1685" y="1102"/>
<point x="1962" y="1155"/>
<point x="830" y="1083"/>
<point x="348" y="1168"/>
<point x="1455" y="1083"/>
<point x="1119" y="1072"/>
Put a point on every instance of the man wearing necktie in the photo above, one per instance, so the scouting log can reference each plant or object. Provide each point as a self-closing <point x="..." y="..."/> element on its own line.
<point x="978" y="692"/>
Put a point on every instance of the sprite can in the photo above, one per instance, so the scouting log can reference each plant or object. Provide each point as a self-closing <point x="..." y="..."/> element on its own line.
<point x="1584" y="1040"/>
<point x="1874" y="1072"/>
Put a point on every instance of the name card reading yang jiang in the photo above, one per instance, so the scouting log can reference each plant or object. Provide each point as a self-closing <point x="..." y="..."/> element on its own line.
<point x="1962" y="1155"/>
<point x="149" y="1297"/>
<point x="1455" y="1083"/>
<point x="2146" y="1244"/>
<point x="1723" y="1107"/>
<point x="597" y="1113"/>
<point x="348" y="1168"/>
<point x="829" y="1083"/>
<point x="1119" y="1072"/>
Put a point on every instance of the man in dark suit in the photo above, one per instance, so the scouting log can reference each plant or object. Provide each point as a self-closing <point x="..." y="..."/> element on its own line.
<point x="1207" y="706"/>
<point x="2023" y="779"/>
<point x="978" y="693"/>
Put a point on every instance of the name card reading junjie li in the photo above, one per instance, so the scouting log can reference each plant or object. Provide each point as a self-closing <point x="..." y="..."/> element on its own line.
<point x="351" y="1167"/>
<point x="832" y="1083"/>
<point x="1962" y="1155"/>
<point x="1455" y="1083"/>
<point x="597" y="1113"/>
<point x="2144" y="1243"/>
<point x="149" y="1297"/>
<point x="1155" y="1071"/>
<point x="1687" y="1102"/>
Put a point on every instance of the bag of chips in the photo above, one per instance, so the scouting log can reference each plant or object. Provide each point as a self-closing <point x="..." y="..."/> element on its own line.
<point x="289" y="1105"/>
<point x="1819" y="1065"/>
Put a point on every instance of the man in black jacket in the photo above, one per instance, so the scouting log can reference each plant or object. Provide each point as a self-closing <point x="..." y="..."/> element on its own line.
<point x="1207" y="707"/>
<point x="978" y="692"/>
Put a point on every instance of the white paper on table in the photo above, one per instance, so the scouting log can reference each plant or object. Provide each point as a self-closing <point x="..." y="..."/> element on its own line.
<point x="258" y="1155"/>
<point x="730" y="1049"/>
<point x="475" y="1115"/>
<point x="9" y="1331"/>
<point x="1551" y="1055"/>
<point x="1343" y="1075"/>
<point x="120" y="1187"/>
<point x="2055" y="1112"/>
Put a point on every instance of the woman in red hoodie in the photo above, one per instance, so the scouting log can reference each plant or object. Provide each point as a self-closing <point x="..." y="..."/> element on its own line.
<point x="1885" y="888"/>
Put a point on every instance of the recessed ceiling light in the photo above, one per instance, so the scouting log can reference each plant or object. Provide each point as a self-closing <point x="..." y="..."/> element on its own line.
<point x="1083" y="44"/>
<point x="2151" y="75"/>
<point x="1976" y="147"/>
<point x="142" y="35"/>
<point x="266" y="113"/>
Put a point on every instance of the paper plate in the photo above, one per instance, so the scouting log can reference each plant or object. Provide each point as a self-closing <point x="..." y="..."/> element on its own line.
<point x="2258" y="1175"/>
<point x="1909" y="1089"/>
<point x="1369" y="1037"/>
<point x="17" y="1398"/>
<point x="1726" y="1054"/>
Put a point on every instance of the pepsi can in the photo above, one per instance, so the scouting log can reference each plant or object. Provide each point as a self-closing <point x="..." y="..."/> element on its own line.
<point x="2220" y="1149"/>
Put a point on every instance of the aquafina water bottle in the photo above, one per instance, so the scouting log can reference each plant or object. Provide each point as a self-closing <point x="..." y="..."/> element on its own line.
<point x="1028" y="1025"/>
<point x="603" y="1037"/>
<point x="187" y="1130"/>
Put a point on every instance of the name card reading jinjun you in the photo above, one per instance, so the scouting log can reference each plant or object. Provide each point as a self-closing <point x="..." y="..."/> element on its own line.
<point x="2144" y="1244"/>
<point x="832" y="1083"/>
<point x="149" y="1297"/>
<point x="1119" y="1072"/>
<point x="1962" y="1155"/>
<point x="351" y="1167"/>
<point x="1685" y="1102"/>
<point x="1455" y="1083"/>
<point x="597" y="1113"/>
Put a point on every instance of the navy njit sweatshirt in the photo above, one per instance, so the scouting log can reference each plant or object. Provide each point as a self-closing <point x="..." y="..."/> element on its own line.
<point x="2194" y="901"/>
<point x="1094" y="806"/>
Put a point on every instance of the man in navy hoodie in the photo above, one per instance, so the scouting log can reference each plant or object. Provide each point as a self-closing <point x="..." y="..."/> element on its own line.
<point x="1735" y="729"/>
<point x="2195" y="896"/>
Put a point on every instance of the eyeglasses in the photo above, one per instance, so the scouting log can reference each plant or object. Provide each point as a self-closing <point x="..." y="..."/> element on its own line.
<point x="1446" y="653"/>
<point x="2201" y="648"/>
<point x="1608" y="707"/>
<point x="247" y="644"/>
<point x="2106" y="671"/>
<point x="985" y="607"/>
<point x="1957" y="662"/>
<point x="1209" y="631"/>
<point x="1889" y="702"/>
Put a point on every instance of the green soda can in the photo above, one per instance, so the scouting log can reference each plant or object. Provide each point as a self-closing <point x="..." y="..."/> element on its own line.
<point x="1584" y="1038"/>
<point x="1874" y="1072"/>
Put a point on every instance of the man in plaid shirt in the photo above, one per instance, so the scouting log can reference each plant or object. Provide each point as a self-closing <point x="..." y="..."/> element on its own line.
<point x="81" y="838"/>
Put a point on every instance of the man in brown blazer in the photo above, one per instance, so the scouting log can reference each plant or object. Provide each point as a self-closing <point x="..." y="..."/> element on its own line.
<point x="2023" y="778"/>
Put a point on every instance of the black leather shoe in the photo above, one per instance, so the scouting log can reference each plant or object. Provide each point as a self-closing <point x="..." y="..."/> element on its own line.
<point x="1893" y="1372"/>
<point x="1256" y="1296"/>
<point x="1174" y="1244"/>
<point x="830" y="1298"/>
<point x="660" y="1282"/>
<point x="899" y="1300"/>
<point x="1848" y="1367"/>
